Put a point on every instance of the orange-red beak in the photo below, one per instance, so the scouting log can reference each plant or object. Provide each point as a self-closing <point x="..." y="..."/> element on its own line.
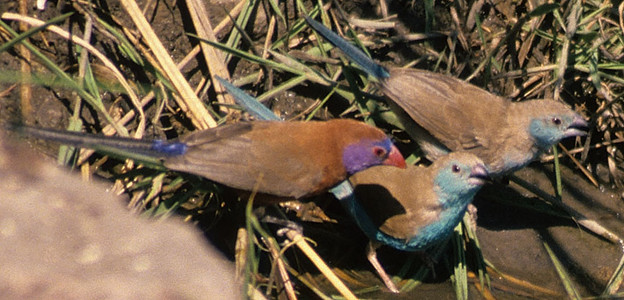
<point x="395" y="158"/>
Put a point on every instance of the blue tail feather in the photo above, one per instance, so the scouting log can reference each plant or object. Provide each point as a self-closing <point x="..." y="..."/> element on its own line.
<point x="152" y="148"/>
<point x="355" y="54"/>
<point x="249" y="103"/>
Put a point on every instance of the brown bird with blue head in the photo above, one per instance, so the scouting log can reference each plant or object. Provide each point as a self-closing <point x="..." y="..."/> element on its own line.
<point x="444" y="114"/>
<point x="416" y="208"/>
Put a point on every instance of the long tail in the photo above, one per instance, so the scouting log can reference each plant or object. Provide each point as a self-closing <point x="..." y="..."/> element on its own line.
<point x="151" y="148"/>
<point x="356" y="55"/>
<point x="249" y="103"/>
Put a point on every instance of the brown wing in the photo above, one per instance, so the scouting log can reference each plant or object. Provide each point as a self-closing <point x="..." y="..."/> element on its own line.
<point x="399" y="201"/>
<point x="458" y="114"/>
<point x="276" y="153"/>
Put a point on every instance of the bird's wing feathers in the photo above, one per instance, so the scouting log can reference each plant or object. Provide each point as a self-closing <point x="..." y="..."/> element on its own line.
<point x="224" y="132"/>
<point x="240" y="154"/>
<point x="455" y="112"/>
<point x="398" y="201"/>
<point x="216" y="158"/>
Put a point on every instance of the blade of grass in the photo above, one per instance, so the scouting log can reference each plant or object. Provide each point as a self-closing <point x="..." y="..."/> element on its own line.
<point x="484" y="278"/>
<point x="558" y="185"/>
<point x="87" y="97"/>
<point x="20" y="37"/>
<point x="250" y="57"/>
<point x="588" y="224"/>
<point x="298" y="239"/>
<point x="241" y="21"/>
<point x="563" y="275"/>
<point x="615" y="282"/>
<point x="67" y="80"/>
<point x="282" y="87"/>
<point x="214" y="61"/>
<point x="251" y="104"/>
<point x="460" y="272"/>
<point x="188" y="101"/>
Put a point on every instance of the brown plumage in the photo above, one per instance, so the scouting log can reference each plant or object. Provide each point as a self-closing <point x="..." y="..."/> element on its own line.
<point x="289" y="159"/>
<point x="445" y="114"/>
<point x="415" y="208"/>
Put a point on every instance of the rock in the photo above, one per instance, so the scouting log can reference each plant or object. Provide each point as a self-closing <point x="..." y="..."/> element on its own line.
<point x="64" y="238"/>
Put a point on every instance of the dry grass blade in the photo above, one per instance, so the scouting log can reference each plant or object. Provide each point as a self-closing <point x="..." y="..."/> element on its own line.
<point x="111" y="66"/>
<point x="487" y="295"/>
<point x="572" y="19"/>
<point x="615" y="282"/>
<point x="25" y="89"/>
<point x="214" y="60"/>
<point x="298" y="239"/>
<point x="189" y="102"/>
<point x="69" y="82"/>
<point x="510" y="280"/>
<point x="580" y="166"/>
<point x="281" y="268"/>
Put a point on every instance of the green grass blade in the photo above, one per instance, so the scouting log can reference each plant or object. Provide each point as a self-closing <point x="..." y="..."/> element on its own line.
<point x="20" y="37"/>
<point x="616" y="279"/>
<point x="460" y="272"/>
<point x="70" y="82"/>
<point x="563" y="274"/>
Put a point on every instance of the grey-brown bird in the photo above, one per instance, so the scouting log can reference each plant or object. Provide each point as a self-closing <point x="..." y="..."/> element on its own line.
<point x="444" y="114"/>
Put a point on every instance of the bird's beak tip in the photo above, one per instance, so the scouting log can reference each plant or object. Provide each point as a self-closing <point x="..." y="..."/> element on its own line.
<point x="578" y="127"/>
<point x="480" y="172"/>
<point x="395" y="159"/>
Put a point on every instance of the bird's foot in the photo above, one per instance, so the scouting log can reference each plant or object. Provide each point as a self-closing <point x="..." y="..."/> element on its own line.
<point x="472" y="214"/>
<point x="282" y="222"/>
<point x="309" y="211"/>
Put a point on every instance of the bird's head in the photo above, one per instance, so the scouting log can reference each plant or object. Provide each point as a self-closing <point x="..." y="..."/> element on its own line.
<point x="552" y="121"/>
<point x="459" y="174"/>
<point x="367" y="153"/>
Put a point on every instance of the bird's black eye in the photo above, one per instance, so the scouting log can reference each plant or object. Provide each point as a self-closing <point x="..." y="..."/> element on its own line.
<point x="456" y="169"/>
<point x="556" y="121"/>
<point x="379" y="152"/>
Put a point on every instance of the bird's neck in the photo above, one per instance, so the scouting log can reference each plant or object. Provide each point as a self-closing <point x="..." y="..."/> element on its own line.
<point x="452" y="206"/>
<point x="524" y="148"/>
<point x="450" y="215"/>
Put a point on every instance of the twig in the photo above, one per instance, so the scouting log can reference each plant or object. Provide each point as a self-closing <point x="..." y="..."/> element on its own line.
<point x="298" y="239"/>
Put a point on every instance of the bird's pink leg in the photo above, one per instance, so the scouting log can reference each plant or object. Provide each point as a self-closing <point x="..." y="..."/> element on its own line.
<point x="371" y="254"/>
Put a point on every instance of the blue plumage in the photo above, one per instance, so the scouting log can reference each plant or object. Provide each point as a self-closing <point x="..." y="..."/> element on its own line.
<point x="251" y="104"/>
<point x="416" y="208"/>
<point x="169" y="148"/>
<point x="354" y="53"/>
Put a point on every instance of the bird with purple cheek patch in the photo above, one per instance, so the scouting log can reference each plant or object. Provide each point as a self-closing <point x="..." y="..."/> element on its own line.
<point x="445" y="114"/>
<point x="284" y="159"/>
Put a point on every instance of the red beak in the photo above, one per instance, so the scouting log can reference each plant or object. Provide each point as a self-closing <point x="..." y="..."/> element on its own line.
<point x="395" y="158"/>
